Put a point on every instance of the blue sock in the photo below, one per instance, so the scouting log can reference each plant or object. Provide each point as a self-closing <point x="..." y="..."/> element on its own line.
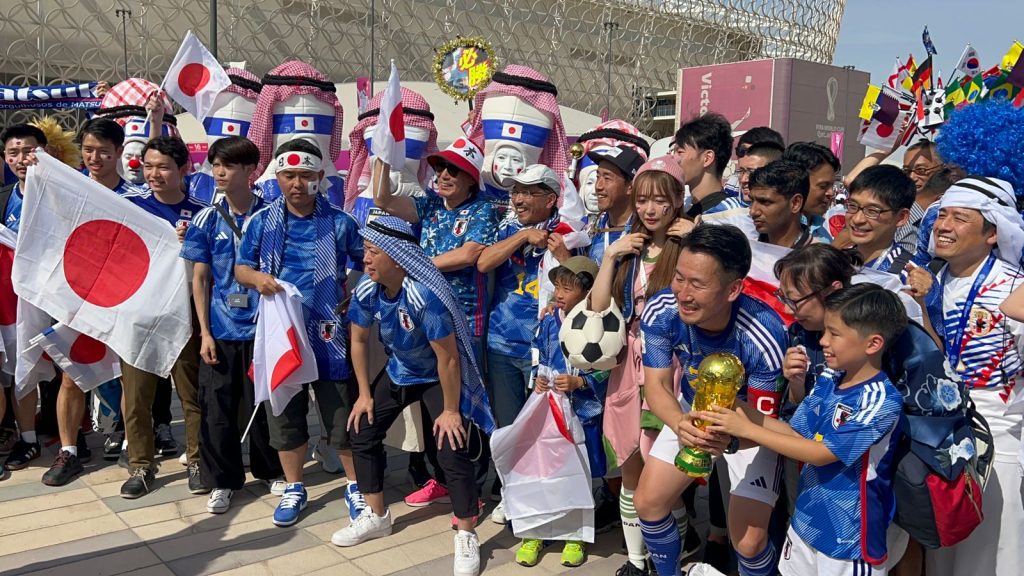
<point x="664" y="544"/>
<point x="761" y="564"/>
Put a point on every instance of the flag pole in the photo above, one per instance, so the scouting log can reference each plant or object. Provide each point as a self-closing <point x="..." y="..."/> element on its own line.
<point x="252" y="419"/>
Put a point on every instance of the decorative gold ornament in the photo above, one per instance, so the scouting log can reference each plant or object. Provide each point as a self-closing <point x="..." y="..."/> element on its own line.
<point x="576" y="150"/>
<point x="719" y="379"/>
<point x="464" y="66"/>
<point x="60" y="143"/>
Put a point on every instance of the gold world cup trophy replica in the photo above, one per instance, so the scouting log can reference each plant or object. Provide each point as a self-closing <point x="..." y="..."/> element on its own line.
<point x="719" y="379"/>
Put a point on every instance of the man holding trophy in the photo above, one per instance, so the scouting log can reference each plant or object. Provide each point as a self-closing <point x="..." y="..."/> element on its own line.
<point x="730" y="346"/>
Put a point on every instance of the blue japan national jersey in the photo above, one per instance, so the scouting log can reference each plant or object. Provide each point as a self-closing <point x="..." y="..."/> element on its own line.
<point x="408" y="323"/>
<point x="843" y="509"/>
<point x="12" y="213"/>
<point x="173" y="214"/>
<point x="513" y="320"/>
<point x="444" y="230"/>
<point x="211" y="240"/>
<point x="755" y="334"/>
<point x="603" y="236"/>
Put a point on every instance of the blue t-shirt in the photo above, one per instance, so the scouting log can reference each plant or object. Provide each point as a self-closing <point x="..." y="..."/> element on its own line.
<point x="173" y="214"/>
<point x="513" y="320"/>
<point x="444" y="230"/>
<point x="12" y="214"/>
<point x="924" y="234"/>
<point x="123" y="186"/>
<point x="843" y="509"/>
<point x="602" y="236"/>
<point x="409" y="322"/>
<point x="211" y="240"/>
<point x="755" y="334"/>
<point x="297" y="267"/>
<point x="818" y="227"/>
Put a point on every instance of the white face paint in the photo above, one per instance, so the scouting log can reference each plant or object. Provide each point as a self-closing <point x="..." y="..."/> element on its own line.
<point x="508" y="162"/>
<point x="404" y="180"/>
<point x="588" y="188"/>
<point x="131" y="161"/>
<point x="234" y="113"/>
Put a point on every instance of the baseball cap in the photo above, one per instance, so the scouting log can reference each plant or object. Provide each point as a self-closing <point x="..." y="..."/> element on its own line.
<point x="666" y="164"/>
<point x="581" y="266"/>
<point x="462" y="154"/>
<point x="626" y="159"/>
<point x="538" y="174"/>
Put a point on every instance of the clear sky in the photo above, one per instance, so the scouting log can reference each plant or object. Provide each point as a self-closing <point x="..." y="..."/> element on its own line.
<point x="875" y="32"/>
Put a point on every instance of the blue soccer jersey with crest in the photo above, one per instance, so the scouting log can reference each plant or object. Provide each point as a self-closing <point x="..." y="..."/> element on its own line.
<point x="173" y="214"/>
<point x="843" y="509"/>
<point x="444" y="230"/>
<point x="408" y="323"/>
<point x="602" y="236"/>
<point x="513" y="321"/>
<point x="298" y="265"/>
<point x="755" y="334"/>
<point x="211" y="240"/>
<point x="12" y="213"/>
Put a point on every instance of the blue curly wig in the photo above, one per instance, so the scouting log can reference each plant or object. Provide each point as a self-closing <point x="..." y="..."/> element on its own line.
<point x="986" y="139"/>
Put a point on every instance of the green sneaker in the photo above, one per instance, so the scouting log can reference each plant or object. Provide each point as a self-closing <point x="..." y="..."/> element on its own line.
<point x="529" y="552"/>
<point x="573" y="554"/>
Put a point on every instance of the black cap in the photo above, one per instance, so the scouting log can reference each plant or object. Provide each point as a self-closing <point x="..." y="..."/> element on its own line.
<point x="627" y="160"/>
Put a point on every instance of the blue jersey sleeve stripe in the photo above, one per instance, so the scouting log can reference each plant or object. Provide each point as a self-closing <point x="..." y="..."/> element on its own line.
<point x="763" y="339"/>
<point x="365" y="287"/>
<point x="875" y="403"/>
<point x="656" y="305"/>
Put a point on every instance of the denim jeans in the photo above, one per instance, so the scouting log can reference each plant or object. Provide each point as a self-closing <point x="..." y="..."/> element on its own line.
<point x="507" y="378"/>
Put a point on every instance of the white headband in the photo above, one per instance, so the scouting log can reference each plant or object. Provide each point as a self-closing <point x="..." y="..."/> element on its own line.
<point x="297" y="160"/>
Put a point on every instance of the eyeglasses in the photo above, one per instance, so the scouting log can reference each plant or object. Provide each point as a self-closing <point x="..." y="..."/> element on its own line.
<point x="920" y="170"/>
<point x="870" y="212"/>
<point x="794" y="304"/>
<point x="741" y="172"/>
<point x="441" y="166"/>
<point x="524" y="192"/>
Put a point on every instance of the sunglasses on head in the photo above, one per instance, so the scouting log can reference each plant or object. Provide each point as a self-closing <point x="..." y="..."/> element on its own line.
<point x="442" y="165"/>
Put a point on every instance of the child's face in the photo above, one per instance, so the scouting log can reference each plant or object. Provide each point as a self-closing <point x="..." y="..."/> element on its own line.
<point x="844" y="347"/>
<point x="871" y="220"/>
<point x="567" y="295"/>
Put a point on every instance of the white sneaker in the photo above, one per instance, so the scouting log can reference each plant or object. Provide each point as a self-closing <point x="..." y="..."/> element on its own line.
<point x="467" y="554"/>
<point x="327" y="457"/>
<point x="366" y="526"/>
<point x="277" y="486"/>
<point x="220" y="501"/>
<point x="498" y="514"/>
<point x="701" y="569"/>
<point x="183" y="459"/>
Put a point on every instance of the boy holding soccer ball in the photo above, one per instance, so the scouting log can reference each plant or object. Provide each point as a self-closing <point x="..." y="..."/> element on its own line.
<point x="586" y="390"/>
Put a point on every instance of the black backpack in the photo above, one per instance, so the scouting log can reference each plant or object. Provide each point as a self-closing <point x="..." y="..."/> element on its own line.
<point x="945" y="448"/>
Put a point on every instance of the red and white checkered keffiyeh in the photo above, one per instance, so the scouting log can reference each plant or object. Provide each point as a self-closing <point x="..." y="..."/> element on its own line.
<point x="244" y="83"/>
<point x="358" y="153"/>
<point x="261" y="132"/>
<point x="128" y="98"/>
<point x="555" y="153"/>
<point x="604" y="135"/>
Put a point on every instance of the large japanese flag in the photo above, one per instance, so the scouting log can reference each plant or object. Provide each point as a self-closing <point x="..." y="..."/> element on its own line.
<point x="32" y="365"/>
<point x="83" y="358"/>
<point x="102" y="266"/>
<point x="389" y="133"/>
<point x="761" y="282"/>
<point x="195" y="77"/>
<point x="8" y="299"/>
<point x="282" y="359"/>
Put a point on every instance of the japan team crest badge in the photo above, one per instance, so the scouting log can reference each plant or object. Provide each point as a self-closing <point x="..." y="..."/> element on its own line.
<point x="841" y="415"/>
<point x="405" y="320"/>
<point x="328" y="328"/>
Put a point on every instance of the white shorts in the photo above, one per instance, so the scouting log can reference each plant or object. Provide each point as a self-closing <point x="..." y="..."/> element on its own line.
<point x="799" y="559"/>
<point x="754" y="473"/>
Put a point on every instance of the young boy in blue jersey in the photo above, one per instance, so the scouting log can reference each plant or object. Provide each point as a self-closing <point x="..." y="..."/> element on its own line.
<point x="227" y="327"/>
<point x="165" y="164"/>
<point x="703" y="312"/>
<point x="431" y="360"/>
<point x="572" y="280"/>
<point x="845" y="431"/>
<point x="301" y="239"/>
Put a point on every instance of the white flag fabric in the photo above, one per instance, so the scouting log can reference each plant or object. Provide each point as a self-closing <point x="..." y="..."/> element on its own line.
<point x="8" y="300"/>
<point x="389" y="133"/>
<point x="32" y="366"/>
<point x="541" y="459"/>
<point x="195" y="77"/>
<point x="102" y="266"/>
<point x="84" y="359"/>
<point x="283" y="359"/>
<point x="970" y="62"/>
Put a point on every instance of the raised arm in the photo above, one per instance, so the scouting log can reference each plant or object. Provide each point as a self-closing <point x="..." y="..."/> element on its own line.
<point x="400" y="206"/>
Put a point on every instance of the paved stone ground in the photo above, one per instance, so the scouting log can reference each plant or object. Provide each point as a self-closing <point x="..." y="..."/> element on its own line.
<point x="86" y="529"/>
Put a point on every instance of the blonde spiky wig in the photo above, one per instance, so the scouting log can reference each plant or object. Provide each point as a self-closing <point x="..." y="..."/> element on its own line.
<point x="60" y="143"/>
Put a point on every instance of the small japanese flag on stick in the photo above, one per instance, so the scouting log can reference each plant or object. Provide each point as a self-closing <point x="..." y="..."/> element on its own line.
<point x="195" y="77"/>
<point x="389" y="133"/>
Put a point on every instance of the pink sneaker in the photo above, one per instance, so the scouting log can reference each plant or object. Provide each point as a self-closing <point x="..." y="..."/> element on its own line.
<point x="431" y="493"/>
<point x="476" y="519"/>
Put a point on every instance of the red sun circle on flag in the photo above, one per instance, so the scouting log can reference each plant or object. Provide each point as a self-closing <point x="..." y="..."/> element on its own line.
<point x="884" y="130"/>
<point x="231" y="128"/>
<point x="511" y="129"/>
<point x="396" y="123"/>
<point x="293" y="159"/>
<point x="87" y="350"/>
<point x="305" y="123"/>
<point x="192" y="78"/>
<point x="460" y="143"/>
<point x="105" y="262"/>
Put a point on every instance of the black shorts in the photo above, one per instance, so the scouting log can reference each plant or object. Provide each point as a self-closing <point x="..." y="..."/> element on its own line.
<point x="334" y="398"/>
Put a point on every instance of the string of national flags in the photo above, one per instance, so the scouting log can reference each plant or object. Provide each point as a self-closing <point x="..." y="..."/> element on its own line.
<point x="915" y="100"/>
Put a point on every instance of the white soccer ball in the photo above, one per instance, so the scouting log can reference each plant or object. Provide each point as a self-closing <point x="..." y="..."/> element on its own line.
<point x="593" y="340"/>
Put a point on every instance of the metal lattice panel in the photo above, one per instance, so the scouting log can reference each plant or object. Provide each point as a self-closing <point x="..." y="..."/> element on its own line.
<point x="573" y="42"/>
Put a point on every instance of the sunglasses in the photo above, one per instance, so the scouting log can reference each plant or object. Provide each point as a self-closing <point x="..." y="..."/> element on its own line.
<point x="441" y="166"/>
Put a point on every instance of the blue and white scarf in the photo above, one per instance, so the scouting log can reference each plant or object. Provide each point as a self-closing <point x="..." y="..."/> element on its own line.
<point x="395" y="237"/>
<point x="324" y="299"/>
